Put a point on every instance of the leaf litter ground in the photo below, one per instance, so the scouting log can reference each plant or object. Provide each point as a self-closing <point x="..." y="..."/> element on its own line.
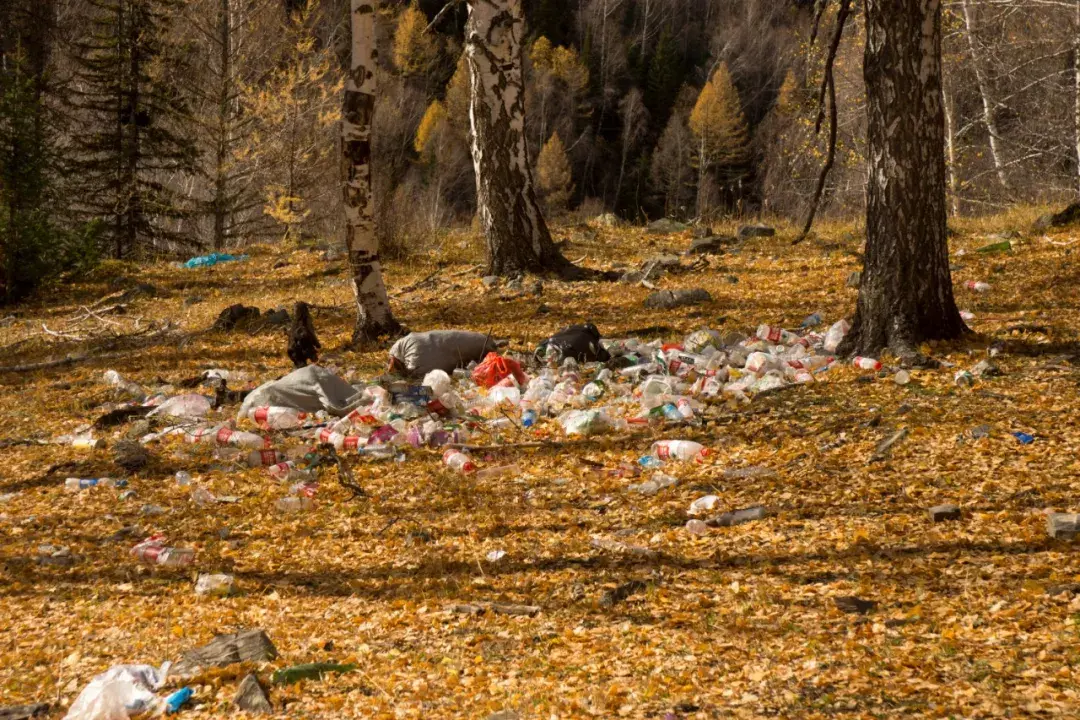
<point x="742" y="622"/>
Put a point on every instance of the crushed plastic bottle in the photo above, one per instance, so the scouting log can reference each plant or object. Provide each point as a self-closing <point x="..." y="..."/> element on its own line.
<point x="76" y="484"/>
<point x="703" y="505"/>
<point x="218" y="585"/>
<point x="237" y="438"/>
<point x="697" y="527"/>
<point x="458" y="461"/>
<point x="277" y="418"/>
<point x="202" y="497"/>
<point x="183" y="478"/>
<point x="287" y="471"/>
<point x="836" y="334"/>
<point x="264" y="458"/>
<point x="295" y="504"/>
<point x="680" y="450"/>
<point x="154" y="551"/>
<point x="865" y="363"/>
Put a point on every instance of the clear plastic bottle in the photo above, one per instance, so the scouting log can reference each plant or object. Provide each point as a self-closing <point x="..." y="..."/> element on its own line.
<point x="237" y="438"/>
<point x="836" y="334"/>
<point x="680" y="450"/>
<point x="278" y="418"/>
<point x="154" y="551"/>
<point x="458" y="461"/>
<point x="685" y="409"/>
<point x="202" y="497"/>
<point x="219" y="585"/>
<point x="498" y="472"/>
<point x="865" y="363"/>
<point x="183" y="478"/>
<point x="74" y="484"/>
<point x="295" y="504"/>
<point x="264" y="458"/>
<point x="774" y="334"/>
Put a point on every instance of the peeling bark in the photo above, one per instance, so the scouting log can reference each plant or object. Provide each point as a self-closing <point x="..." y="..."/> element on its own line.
<point x="906" y="293"/>
<point x="517" y="237"/>
<point x="373" y="316"/>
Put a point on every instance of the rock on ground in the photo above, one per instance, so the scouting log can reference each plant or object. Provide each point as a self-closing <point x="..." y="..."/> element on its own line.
<point x="666" y="226"/>
<point x="1063" y="526"/>
<point x="251" y="696"/>
<point x="756" y="231"/>
<point x="669" y="299"/>
<point x="223" y="650"/>
<point x="941" y="513"/>
<point x="713" y="245"/>
<point x="130" y="455"/>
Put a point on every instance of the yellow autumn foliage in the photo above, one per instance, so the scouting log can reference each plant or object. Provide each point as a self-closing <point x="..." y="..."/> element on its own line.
<point x="554" y="175"/>
<point x="718" y="122"/>
<point x="415" y="51"/>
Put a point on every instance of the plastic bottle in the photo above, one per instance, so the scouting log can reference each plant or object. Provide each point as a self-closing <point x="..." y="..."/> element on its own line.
<point x="174" y="702"/>
<point x="963" y="378"/>
<point x="686" y="411"/>
<point x="498" y="472"/>
<point x="294" y="504"/>
<point x="278" y="418"/>
<point x="264" y="458"/>
<point x="154" y="551"/>
<point x="458" y="461"/>
<point x="680" y="450"/>
<point x="183" y="478"/>
<point x="836" y="334"/>
<point x="865" y="363"/>
<point x="773" y="334"/>
<point x="529" y="418"/>
<point x="671" y="412"/>
<point x="902" y="377"/>
<point x="85" y="442"/>
<point x="214" y="585"/>
<point x="74" y="484"/>
<point x="236" y="438"/>
<point x="977" y="285"/>
<point x="650" y="462"/>
<point x="342" y="442"/>
<point x="202" y="497"/>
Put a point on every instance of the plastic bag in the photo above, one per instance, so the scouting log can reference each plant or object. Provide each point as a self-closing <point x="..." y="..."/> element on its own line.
<point x="121" y="692"/>
<point x="496" y="368"/>
<point x="188" y="406"/>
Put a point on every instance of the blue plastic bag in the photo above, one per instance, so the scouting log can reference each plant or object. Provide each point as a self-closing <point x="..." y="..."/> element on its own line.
<point x="212" y="259"/>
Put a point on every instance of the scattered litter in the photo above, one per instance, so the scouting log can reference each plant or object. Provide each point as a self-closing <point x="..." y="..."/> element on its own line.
<point x="977" y="286"/>
<point x="417" y="354"/>
<point x="213" y="259"/>
<point x="121" y="692"/>
<point x="154" y="551"/>
<point x="697" y="527"/>
<point x="1024" y="438"/>
<point x="703" y="505"/>
<point x="218" y="585"/>
<point x="310" y="671"/>
<point x="495" y="556"/>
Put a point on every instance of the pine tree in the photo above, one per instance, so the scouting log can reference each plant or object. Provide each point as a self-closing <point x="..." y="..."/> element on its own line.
<point x="555" y="179"/>
<point x="296" y="110"/>
<point x="720" y="129"/>
<point x="416" y="52"/>
<point x="134" y="120"/>
<point x="433" y="123"/>
<point x="664" y="78"/>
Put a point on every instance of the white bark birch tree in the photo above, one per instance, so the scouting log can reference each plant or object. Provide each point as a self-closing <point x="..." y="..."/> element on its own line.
<point x="987" y="102"/>
<point x="516" y="235"/>
<point x="373" y="316"/>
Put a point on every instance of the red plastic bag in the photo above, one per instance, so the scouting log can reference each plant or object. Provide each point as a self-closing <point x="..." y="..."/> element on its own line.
<point x="494" y="368"/>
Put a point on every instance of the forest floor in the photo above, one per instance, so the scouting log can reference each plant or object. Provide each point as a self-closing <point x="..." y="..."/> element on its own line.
<point x="971" y="619"/>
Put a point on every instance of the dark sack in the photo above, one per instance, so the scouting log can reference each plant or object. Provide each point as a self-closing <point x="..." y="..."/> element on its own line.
<point x="581" y="342"/>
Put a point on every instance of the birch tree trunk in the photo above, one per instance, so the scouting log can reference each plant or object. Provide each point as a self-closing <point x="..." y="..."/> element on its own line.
<point x="373" y="316"/>
<point x="906" y="293"/>
<point x="987" y="102"/>
<point x="517" y="237"/>
<point x="950" y="155"/>
<point x="1076" y="89"/>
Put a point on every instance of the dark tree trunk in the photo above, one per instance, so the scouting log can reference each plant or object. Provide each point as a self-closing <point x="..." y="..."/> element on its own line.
<point x="221" y="189"/>
<point x="518" y="239"/>
<point x="906" y="294"/>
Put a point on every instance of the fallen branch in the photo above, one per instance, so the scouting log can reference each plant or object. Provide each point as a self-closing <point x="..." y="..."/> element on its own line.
<point x="89" y="355"/>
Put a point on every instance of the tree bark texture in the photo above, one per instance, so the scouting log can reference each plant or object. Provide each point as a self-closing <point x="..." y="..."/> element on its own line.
<point x="373" y="316"/>
<point x="906" y="293"/>
<point x="517" y="237"/>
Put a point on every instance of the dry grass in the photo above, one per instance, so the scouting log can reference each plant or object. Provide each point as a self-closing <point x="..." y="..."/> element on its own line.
<point x="739" y="623"/>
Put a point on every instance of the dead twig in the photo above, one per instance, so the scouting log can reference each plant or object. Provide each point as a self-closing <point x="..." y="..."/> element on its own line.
<point x="345" y="477"/>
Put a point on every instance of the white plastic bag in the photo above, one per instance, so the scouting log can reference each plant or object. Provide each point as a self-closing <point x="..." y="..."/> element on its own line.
<point x="185" y="406"/>
<point x="121" y="692"/>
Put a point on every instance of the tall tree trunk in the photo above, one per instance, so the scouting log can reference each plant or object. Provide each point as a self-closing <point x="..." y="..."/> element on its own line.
<point x="906" y="293"/>
<point x="373" y="316"/>
<point x="221" y="201"/>
<point x="1076" y="89"/>
<point x="518" y="239"/>
<point x="950" y="155"/>
<point x="987" y="102"/>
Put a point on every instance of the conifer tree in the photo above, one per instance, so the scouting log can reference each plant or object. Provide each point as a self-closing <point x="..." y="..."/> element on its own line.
<point x="664" y="78"/>
<point x="431" y="125"/>
<point x="416" y="52"/>
<point x="554" y="176"/>
<point x="720" y="128"/>
<point x="134" y="122"/>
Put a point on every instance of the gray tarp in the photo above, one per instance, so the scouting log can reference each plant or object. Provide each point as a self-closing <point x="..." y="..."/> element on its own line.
<point x="444" y="350"/>
<point x="310" y="389"/>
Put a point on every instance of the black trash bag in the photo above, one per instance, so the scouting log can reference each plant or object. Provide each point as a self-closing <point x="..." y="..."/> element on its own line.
<point x="581" y="342"/>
